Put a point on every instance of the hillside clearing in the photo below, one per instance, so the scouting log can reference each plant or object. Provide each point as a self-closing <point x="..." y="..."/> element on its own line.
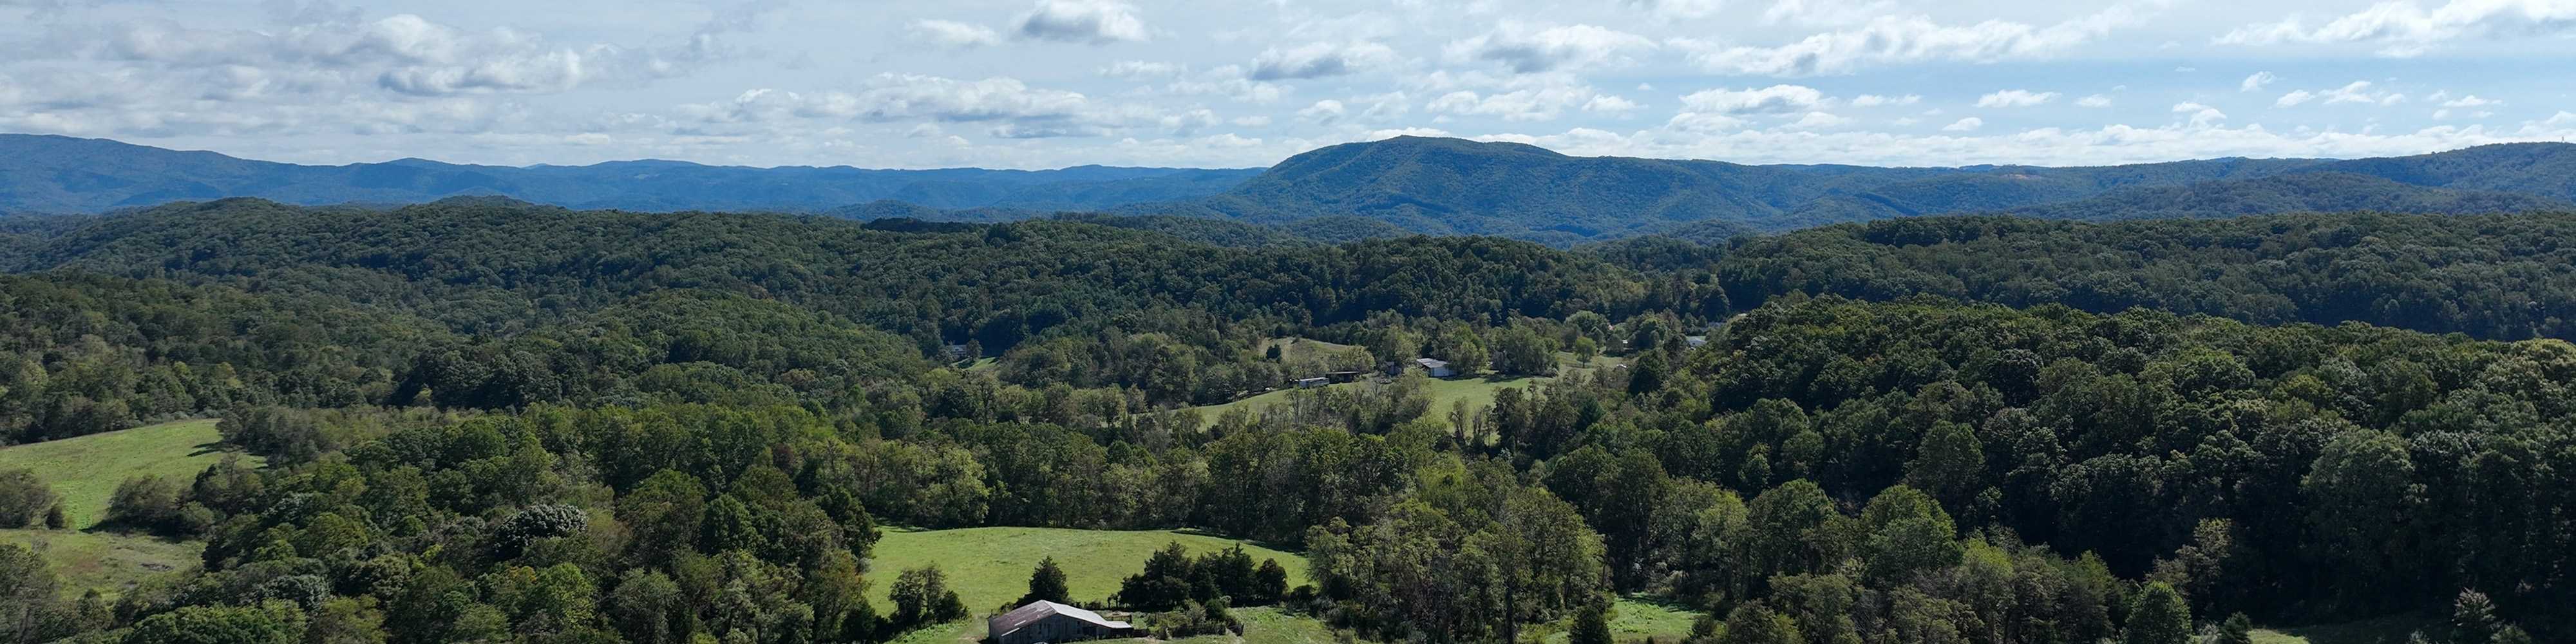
<point x="108" y="563"/>
<point x="84" y="470"/>
<point x="990" y="566"/>
<point x="2382" y="630"/>
<point x="1477" y="392"/>
<point x="1633" y="618"/>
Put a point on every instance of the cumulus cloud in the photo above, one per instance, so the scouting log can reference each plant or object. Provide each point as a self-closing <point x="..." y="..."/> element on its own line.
<point x="1229" y="81"/>
<point x="1324" y="111"/>
<point x="2096" y="100"/>
<point x="1142" y="69"/>
<point x="2256" y="81"/>
<point x="1611" y="104"/>
<point x="2015" y="98"/>
<point x="947" y="33"/>
<point x="1538" y="100"/>
<point x="1874" y="100"/>
<point x="1318" y="60"/>
<point x="1017" y="110"/>
<point x="2471" y="100"/>
<point x="2361" y="92"/>
<point x="2200" y="115"/>
<point x="1905" y="39"/>
<point x="1678" y="9"/>
<point x="1776" y="99"/>
<point x="1969" y="124"/>
<point x="1528" y="50"/>
<point x="2404" y="28"/>
<point x="1096" y="22"/>
<point x="1818" y="121"/>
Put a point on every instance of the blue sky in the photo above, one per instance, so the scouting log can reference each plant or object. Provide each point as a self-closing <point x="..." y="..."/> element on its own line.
<point x="1051" y="83"/>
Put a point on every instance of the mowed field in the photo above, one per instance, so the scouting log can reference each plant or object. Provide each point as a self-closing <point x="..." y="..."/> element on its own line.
<point x="2384" y="630"/>
<point x="990" y="566"/>
<point x="1476" y="392"/>
<point x="85" y="470"/>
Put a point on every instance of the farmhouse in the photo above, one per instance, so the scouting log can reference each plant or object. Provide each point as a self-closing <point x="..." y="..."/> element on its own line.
<point x="1045" y="622"/>
<point x="1438" y="368"/>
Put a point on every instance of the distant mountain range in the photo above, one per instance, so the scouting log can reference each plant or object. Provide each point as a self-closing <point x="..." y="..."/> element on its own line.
<point x="1451" y="186"/>
<point x="63" y="175"/>
<point x="1396" y="186"/>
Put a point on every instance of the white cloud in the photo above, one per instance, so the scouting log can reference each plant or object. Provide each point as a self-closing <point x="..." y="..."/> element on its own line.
<point x="2096" y="100"/>
<point x="1528" y="50"/>
<point x="1084" y="21"/>
<point x="1608" y="103"/>
<point x="2201" y="115"/>
<point x="1825" y="12"/>
<point x="1318" y="60"/>
<point x="1905" y="39"/>
<point x="1142" y="69"/>
<point x="403" y="53"/>
<point x="1323" y="111"/>
<point x="2360" y="92"/>
<point x="1874" y="100"/>
<point x="1529" y="104"/>
<point x="1256" y="120"/>
<point x="1679" y="9"/>
<point x="2403" y="28"/>
<point x="1189" y="122"/>
<point x="2294" y="98"/>
<point x="1228" y="81"/>
<point x="1018" y="110"/>
<point x="948" y="33"/>
<point x="1776" y="99"/>
<point x="2256" y="81"/>
<point x="1969" y="124"/>
<point x="2471" y="100"/>
<point x="2015" y="98"/>
<point x="1819" y="120"/>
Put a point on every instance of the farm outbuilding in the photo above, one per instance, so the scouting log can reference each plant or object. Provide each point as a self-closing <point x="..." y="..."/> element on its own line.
<point x="1046" y="622"/>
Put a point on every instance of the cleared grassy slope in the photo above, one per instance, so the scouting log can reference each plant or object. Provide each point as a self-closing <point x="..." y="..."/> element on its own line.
<point x="990" y="566"/>
<point x="109" y="563"/>
<point x="85" y="470"/>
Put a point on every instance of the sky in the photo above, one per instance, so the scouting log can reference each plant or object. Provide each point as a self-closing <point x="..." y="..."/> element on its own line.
<point x="1242" y="83"/>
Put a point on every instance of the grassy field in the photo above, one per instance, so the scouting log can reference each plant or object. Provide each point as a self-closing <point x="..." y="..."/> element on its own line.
<point x="1477" y="392"/>
<point x="84" y="470"/>
<point x="2384" y="630"/>
<point x="1632" y="619"/>
<point x="109" y="563"/>
<point x="989" y="566"/>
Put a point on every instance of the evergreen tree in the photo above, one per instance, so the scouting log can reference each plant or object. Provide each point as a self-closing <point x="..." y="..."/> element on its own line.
<point x="1046" y="584"/>
<point x="2473" y="618"/>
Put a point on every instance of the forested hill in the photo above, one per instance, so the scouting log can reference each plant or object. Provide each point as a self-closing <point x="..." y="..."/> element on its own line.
<point x="1451" y="186"/>
<point x="64" y="175"/>
<point x="2319" y="191"/>
<point x="2494" y="276"/>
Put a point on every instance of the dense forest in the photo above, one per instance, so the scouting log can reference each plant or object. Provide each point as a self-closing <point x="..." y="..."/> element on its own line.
<point x="484" y="420"/>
